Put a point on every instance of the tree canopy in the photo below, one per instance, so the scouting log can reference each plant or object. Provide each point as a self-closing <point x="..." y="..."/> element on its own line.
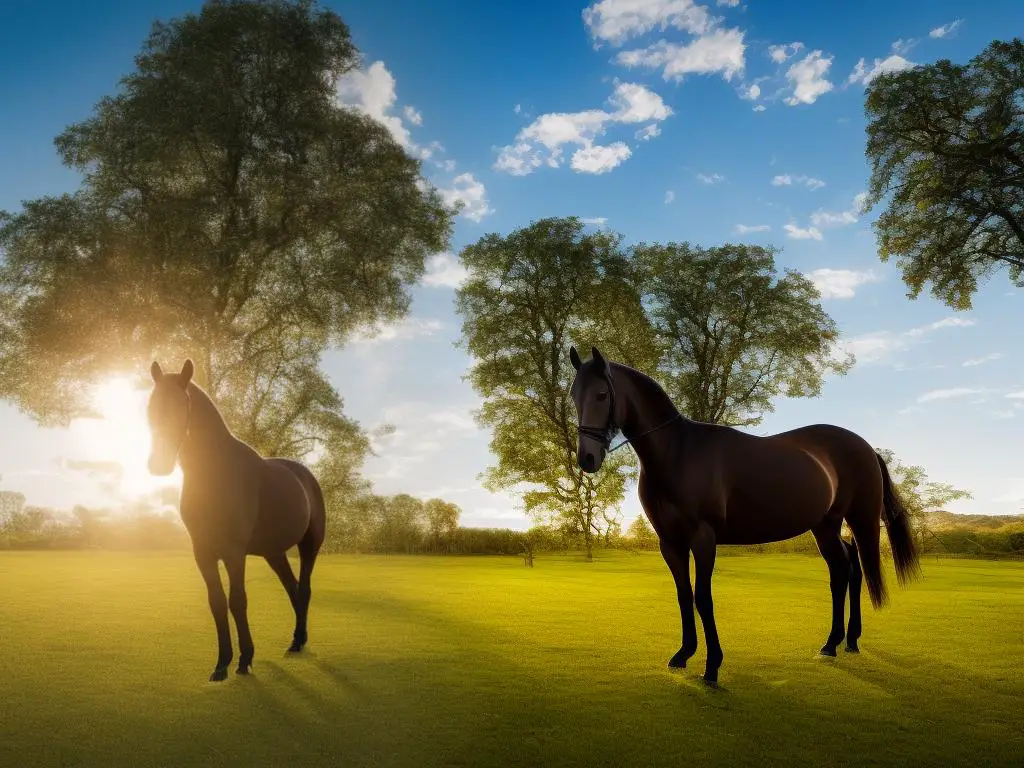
<point x="946" y="145"/>
<point x="529" y="296"/>
<point x="733" y="334"/>
<point x="230" y="210"/>
<point x="919" y="494"/>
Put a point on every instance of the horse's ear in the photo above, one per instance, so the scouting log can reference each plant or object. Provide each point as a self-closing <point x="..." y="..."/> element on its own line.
<point x="574" y="358"/>
<point x="186" y="373"/>
<point x="598" y="359"/>
<point x="156" y="371"/>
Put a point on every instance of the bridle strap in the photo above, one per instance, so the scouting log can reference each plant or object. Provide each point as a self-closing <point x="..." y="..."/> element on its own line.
<point x="605" y="435"/>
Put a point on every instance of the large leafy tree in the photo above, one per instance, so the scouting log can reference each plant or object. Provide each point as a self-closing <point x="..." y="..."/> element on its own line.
<point x="528" y="297"/>
<point x="734" y="334"/>
<point x="230" y="210"/>
<point x="946" y="146"/>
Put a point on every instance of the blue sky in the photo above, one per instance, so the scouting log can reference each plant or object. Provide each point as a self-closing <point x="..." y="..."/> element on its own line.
<point x="662" y="119"/>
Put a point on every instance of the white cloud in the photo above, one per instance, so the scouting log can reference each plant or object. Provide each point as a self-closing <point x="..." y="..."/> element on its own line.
<point x="841" y="283"/>
<point x="598" y="159"/>
<point x="779" y="53"/>
<point x="373" y="92"/>
<point x="409" y="328"/>
<point x="517" y="108"/>
<point x="751" y="92"/>
<point x="542" y="142"/>
<point x="728" y="3"/>
<point x="719" y="51"/>
<point x="878" y="346"/>
<point x="786" y="180"/>
<point x="823" y="219"/>
<point x="797" y="233"/>
<point x="974" y="361"/>
<point x="471" y="194"/>
<point x="714" y="178"/>
<point x="808" y="78"/>
<point x="444" y="271"/>
<point x="945" y="30"/>
<point x="413" y="116"/>
<point x="669" y="197"/>
<point x="949" y="394"/>
<point x="862" y="74"/>
<point x="648" y="132"/>
<point x="743" y="229"/>
<point x="598" y="221"/>
<point x="615" y="21"/>
<point x="759" y="108"/>
<point x="1016" y="395"/>
<point x="904" y="46"/>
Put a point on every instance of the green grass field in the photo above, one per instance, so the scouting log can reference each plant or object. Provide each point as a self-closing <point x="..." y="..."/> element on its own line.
<point x="424" y="661"/>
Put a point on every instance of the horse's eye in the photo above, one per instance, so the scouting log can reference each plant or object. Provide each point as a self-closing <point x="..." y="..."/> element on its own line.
<point x="602" y="396"/>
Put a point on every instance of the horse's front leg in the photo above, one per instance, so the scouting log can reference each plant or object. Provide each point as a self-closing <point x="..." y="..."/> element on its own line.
<point x="703" y="547"/>
<point x="678" y="560"/>
<point x="219" y="608"/>
<point x="239" y="603"/>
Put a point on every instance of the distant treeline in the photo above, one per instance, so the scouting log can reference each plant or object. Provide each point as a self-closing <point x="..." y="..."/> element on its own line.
<point x="403" y="524"/>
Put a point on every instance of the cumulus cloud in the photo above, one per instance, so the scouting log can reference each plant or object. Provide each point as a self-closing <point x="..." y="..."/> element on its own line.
<point x="444" y="270"/>
<point x="543" y="142"/>
<point x="945" y="30"/>
<point x="470" y="195"/>
<point x="615" y="21"/>
<point x="743" y="229"/>
<point x="372" y="91"/>
<point x="409" y="328"/>
<point x="786" y="180"/>
<point x="718" y="52"/>
<point x="862" y="73"/>
<point x="841" y="283"/>
<point x="842" y="218"/>
<point x="800" y="233"/>
<point x="808" y="79"/>
<point x="780" y="53"/>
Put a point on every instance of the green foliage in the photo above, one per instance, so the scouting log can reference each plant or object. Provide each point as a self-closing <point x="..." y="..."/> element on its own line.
<point x="232" y="211"/>
<point x="641" y="535"/>
<point x="734" y="335"/>
<point x="947" y="142"/>
<point x="919" y="494"/>
<point x="528" y="297"/>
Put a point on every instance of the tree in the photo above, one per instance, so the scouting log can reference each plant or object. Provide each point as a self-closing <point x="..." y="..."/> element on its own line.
<point x="442" y="520"/>
<point x="918" y="494"/>
<point x="641" y="534"/>
<point x="733" y="335"/>
<point x="528" y="297"/>
<point x="232" y="211"/>
<point x="947" y="142"/>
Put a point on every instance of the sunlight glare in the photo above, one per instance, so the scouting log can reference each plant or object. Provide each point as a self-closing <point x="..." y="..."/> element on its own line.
<point x="122" y="435"/>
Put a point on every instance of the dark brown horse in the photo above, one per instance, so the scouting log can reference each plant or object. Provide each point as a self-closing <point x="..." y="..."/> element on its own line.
<point x="704" y="484"/>
<point x="234" y="503"/>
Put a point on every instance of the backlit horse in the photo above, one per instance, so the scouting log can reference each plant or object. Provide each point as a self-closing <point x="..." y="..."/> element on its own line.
<point x="234" y="503"/>
<point x="705" y="484"/>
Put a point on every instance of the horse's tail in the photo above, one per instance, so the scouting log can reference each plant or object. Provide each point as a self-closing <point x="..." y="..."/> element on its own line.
<point x="897" y="524"/>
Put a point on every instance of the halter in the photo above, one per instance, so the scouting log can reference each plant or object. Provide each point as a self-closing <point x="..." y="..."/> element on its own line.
<point x="607" y="434"/>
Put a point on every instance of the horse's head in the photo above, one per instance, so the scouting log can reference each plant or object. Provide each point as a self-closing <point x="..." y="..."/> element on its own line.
<point x="168" y="411"/>
<point x="593" y="394"/>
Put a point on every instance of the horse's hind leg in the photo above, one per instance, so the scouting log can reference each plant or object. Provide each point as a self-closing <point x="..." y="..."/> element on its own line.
<point x="703" y="547"/>
<point x="833" y="549"/>
<point x="279" y="563"/>
<point x="309" y="548"/>
<point x="853" y="632"/>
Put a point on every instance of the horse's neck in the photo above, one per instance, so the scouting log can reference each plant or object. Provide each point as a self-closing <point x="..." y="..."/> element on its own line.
<point x="646" y="404"/>
<point x="207" y="430"/>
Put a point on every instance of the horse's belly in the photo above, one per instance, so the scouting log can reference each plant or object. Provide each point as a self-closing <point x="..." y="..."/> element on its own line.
<point x="284" y="514"/>
<point x="782" y="510"/>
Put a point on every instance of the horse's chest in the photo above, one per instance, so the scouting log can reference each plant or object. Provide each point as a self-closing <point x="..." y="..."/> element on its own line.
<point x="222" y="513"/>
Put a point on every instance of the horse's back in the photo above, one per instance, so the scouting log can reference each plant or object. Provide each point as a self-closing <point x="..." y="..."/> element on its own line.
<point x="781" y="485"/>
<point x="290" y="507"/>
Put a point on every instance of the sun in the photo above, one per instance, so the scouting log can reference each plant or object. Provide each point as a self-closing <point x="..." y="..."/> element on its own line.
<point x="121" y="435"/>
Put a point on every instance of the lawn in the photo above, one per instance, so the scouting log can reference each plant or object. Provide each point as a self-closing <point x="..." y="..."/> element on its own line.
<point x="424" y="661"/>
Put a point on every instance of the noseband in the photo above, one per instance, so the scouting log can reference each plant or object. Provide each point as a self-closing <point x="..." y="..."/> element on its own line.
<point x="606" y="434"/>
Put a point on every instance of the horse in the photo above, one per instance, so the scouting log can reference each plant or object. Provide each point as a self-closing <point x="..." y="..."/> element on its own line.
<point x="702" y="485"/>
<point x="234" y="503"/>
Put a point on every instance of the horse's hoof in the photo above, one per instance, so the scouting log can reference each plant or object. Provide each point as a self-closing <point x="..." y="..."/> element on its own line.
<point x="677" y="662"/>
<point x="294" y="648"/>
<point x="220" y="673"/>
<point x="243" y="669"/>
<point x="852" y="649"/>
<point x="710" y="679"/>
<point x="826" y="651"/>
